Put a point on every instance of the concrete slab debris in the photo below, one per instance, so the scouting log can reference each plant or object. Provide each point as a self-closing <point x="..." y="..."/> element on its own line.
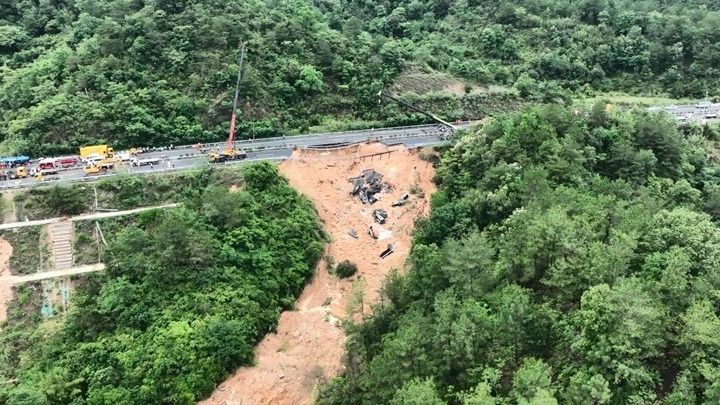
<point x="387" y="252"/>
<point x="402" y="201"/>
<point x="371" y="176"/>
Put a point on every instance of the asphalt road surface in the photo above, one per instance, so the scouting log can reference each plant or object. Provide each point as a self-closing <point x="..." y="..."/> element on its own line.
<point x="702" y="112"/>
<point x="183" y="157"/>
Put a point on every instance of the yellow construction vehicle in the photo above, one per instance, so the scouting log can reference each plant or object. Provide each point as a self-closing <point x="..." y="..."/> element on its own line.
<point x="18" y="173"/>
<point x="227" y="155"/>
<point x="21" y="172"/>
<point x="40" y="176"/>
<point x="103" y="150"/>
<point x="98" y="168"/>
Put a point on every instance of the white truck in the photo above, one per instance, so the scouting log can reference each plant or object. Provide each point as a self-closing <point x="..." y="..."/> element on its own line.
<point x="135" y="162"/>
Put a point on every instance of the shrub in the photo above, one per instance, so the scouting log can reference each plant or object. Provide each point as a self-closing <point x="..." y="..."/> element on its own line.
<point x="345" y="269"/>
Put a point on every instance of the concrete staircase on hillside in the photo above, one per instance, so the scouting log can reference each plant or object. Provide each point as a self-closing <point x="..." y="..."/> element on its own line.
<point x="61" y="234"/>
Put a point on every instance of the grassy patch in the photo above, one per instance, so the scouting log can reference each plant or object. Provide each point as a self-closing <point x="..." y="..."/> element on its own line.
<point x="422" y="81"/>
<point x="339" y="125"/>
<point x="56" y="201"/>
<point x="5" y="207"/>
<point x="85" y="245"/>
<point x="31" y="251"/>
<point x="628" y="100"/>
<point x="23" y="316"/>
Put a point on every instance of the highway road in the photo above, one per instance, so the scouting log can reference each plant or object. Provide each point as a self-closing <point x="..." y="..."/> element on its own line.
<point x="702" y="112"/>
<point x="186" y="156"/>
<point x="183" y="157"/>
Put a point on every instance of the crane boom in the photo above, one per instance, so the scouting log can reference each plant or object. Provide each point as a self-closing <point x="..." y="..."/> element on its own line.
<point x="412" y="107"/>
<point x="231" y="139"/>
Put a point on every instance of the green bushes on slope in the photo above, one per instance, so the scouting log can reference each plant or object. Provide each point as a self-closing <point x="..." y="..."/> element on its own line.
<point x="122" y="192"/>
<point x="186" y="295"/>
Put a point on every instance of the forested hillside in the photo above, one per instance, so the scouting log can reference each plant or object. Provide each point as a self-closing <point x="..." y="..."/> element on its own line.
<point x="568" y="259"/>
<point x="156" y="72"/>
<point x="187" y="294"/>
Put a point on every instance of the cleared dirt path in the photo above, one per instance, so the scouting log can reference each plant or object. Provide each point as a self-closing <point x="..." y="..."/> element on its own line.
<point x="83" y="217"/>
<point x="54" y="273"/>
<point x="308" y="347"/>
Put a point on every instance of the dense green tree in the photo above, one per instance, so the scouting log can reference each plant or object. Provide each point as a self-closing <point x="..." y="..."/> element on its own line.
<point x="580" y="270"/>
<point x="417" y="392"/>
<point x="157" y="73"/>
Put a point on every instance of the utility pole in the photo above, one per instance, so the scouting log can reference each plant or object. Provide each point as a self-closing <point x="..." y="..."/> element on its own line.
<point x="95" y="203"/>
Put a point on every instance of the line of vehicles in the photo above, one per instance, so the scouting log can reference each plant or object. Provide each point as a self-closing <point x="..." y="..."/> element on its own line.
<point x="94" y="160"/>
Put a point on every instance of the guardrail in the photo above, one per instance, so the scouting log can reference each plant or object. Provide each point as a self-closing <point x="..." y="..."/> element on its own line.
<point x="319" y="135"/>
<point x="431" y="131"/>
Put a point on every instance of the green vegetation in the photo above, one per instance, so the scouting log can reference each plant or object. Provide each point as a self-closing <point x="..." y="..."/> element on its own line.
<point x="87" y="249"/>
<point x="20" y="331"/>
<point x="5" y="207"/>
<point x="122" y="192"/>
<point x="31" y="250"/>
<point x="187" y="294"/>
<point x="76" y="72"/>
<point x="346" y="269"/>
<point x="568" y="258"/>
<point x="51" y="202"/>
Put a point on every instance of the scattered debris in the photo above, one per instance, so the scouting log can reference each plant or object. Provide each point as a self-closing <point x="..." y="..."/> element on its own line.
<point x="371" y="232"/>
<point x="367" y="185"/>
<point x="401" y="201"/>
<point x="352" y="233"/>
<point x="387" y="252"/>
<point x="380" y="216"/>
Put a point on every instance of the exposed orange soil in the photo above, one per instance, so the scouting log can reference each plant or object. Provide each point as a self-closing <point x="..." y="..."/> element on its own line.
<point x="308" y="346"/>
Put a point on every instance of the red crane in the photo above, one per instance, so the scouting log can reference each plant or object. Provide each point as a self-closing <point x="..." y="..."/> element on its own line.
<point x="230" y="153"/>
<point x="231" y="139"/>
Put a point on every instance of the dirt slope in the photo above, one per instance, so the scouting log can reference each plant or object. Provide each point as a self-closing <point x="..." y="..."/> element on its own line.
<point x="308" y="347"/>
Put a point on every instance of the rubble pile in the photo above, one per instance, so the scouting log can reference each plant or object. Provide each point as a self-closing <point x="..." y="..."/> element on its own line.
<point x="367" y="185"/>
